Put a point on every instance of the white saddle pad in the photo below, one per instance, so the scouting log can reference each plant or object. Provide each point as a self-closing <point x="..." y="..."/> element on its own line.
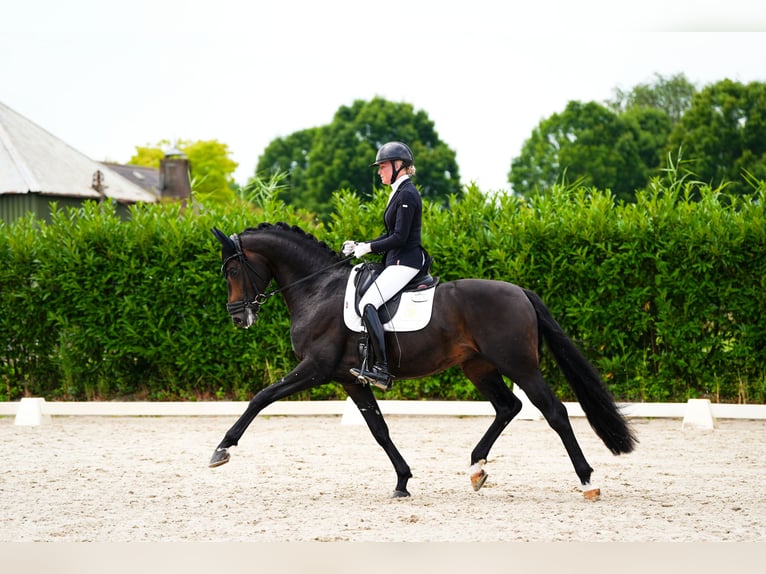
<point x="413" y="314"/>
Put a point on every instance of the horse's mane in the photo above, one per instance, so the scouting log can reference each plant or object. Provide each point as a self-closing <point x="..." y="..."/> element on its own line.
<point x="306" y="238"/>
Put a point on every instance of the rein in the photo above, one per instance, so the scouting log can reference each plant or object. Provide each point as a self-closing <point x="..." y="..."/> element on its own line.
<point x="260" y="298"/>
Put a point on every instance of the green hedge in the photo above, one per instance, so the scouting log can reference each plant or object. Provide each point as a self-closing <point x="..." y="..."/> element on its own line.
<point x="665" y="296"/>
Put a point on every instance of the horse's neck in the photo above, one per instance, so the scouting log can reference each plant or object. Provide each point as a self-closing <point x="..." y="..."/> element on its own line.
<point x="304" y="270"/>
<point x="286" y="275"/>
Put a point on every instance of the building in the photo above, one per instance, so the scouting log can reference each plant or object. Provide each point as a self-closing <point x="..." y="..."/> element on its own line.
<point x="147" y="178"/>
<point x="37" y="168"/>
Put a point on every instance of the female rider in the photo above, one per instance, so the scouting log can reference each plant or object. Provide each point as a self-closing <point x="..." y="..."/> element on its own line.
<point x="404" y="257"/>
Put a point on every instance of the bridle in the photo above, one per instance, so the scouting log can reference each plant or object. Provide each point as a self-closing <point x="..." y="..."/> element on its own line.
<point x="246" y="304"/>
<point x="254" y="305"/>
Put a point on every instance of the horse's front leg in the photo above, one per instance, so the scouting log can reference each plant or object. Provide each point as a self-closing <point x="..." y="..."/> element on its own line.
<point x="365" y="401"/>
<point x="305" y="376"/>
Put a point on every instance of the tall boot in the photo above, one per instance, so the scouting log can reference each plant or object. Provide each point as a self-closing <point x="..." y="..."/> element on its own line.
<point x="378" y="375"/>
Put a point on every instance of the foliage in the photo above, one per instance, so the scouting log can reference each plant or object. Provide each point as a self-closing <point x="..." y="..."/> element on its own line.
<point x="131" y="309"/>
<point x="590" y="145"/>
<point x="321" y="161"/>
<point x="651" y="129"/>
<point x="260" y="191"/>
<point x="618" y="147"/>
<point x="673" y="96"/>
<point x="209" y="163"/>
<point x="724" y="134"/>
<point x="720" y="130"/>
<point x="664" y="295"/>
<point x="288" y="156"/>
<point x="150" y="156"/>
<point x="661" y="294"/>
<point x="24" y="328"/>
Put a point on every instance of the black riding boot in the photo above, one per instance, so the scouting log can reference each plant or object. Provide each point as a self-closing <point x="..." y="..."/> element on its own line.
<point x="378" y="375"/>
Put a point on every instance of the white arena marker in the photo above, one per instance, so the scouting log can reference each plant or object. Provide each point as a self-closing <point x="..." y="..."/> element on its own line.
<point x="32" y="412"/>
<point x="351" y="414"/>
<point x="698" y="414"/>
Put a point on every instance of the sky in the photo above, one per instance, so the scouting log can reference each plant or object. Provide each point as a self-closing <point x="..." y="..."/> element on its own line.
<point x="107" y="76"/>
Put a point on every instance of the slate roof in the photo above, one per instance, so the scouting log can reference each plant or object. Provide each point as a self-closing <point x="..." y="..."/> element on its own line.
<point x="34" y="161"/>
<point x="148" y="178"/>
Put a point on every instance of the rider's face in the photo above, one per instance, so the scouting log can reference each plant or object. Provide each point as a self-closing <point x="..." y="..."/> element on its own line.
<point x="385" y="171"/>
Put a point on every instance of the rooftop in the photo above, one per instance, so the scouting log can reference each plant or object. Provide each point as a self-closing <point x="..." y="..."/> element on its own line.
<point x="32" y="160"/>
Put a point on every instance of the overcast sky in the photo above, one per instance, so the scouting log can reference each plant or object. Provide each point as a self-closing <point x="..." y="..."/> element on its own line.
<point x="106" y="76"/>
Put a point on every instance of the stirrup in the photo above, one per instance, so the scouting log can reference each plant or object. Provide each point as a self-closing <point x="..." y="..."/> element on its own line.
<point x="376" y="377"/>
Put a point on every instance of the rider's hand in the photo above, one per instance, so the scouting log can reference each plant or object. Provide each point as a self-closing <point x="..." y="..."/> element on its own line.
<point x="348" y="247"/>
<point x="362" y="249"/>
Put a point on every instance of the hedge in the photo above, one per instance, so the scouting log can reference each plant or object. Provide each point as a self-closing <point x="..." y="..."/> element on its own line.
<point x="665" y="295"/>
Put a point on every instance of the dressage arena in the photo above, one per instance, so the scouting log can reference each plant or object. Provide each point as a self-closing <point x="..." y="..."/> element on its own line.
<point x="312" y="478"/>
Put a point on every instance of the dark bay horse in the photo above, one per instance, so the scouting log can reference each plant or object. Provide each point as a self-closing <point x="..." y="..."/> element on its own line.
<point x="492" y="329"/>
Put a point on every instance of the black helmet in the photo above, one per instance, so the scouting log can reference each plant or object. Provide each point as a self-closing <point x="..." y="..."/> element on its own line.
<point x="393" y="151"/>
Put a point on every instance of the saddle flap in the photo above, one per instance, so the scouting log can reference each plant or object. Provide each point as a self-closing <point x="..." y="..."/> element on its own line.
<point x="368" y="272"/>
<point x="408" y="310"/>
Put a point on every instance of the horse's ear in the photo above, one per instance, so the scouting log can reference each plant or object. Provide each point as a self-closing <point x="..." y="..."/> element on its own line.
<point x="221" y="236"/>
<point x="228" y="245"/>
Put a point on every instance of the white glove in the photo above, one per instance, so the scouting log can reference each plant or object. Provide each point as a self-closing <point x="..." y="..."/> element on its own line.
<point x="348" y="247"/>
<point x="362" y="249"/>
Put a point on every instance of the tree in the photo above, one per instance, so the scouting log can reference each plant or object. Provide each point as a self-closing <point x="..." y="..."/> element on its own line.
<point x="619" y="147"/>
<point x="723" y="135"/>
<point x="672" y="95"/>
<point x="652" y="127"/>
<point x="586" y="143"/>
<point x="148" y="156"/>
<point x="337" y="156"/>
<point x="290" y="155"/>
<point x="209" y="163"/>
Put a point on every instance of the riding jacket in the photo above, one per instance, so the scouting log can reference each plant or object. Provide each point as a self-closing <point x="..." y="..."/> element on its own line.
<point x="403" y="220"/>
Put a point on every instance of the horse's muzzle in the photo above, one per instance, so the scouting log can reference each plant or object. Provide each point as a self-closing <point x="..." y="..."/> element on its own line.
<point x="243" y="314"/>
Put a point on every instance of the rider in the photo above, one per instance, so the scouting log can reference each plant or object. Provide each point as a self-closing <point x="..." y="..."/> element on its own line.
<point x="404" y="257"/>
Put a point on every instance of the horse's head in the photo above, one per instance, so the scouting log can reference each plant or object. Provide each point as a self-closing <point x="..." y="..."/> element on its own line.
<point x="246" y="280"/>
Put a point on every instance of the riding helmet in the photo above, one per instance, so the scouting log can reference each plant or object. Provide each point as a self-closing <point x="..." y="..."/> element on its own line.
<point x="393" y="151"/>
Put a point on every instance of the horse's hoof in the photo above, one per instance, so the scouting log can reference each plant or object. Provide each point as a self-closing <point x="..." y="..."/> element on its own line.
<point x="592" y="494"/>
<point x="220" y="456"/>
<point x="400" y="494"/>
<point x="478" y="474"/>
<point x="478" y="480"/>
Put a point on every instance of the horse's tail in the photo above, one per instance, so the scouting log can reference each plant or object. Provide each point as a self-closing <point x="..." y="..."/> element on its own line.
<point x="596" y="401"/>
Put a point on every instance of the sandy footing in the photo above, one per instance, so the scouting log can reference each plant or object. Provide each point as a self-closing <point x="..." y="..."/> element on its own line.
<point x="304" y="479"/>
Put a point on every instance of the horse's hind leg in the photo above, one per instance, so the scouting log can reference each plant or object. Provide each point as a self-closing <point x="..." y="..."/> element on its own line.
<point x="489" y="382"/>
<point x="365" y="401"/>
<point x="555" y="413"/>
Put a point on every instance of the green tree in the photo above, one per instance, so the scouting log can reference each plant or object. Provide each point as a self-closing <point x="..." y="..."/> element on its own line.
<point x="290" y="155"/>
<point x="722" y="136"/>
<point x="150" y="156"/>
<point x="586" y="143"/>
<point x="672" y="95"/>
<point x="321" y="161"/>
<point x="619" y="147"/>
<point x="652" y="127"/>
<point x="654" y="109"/>
<point x="209" y="163"/>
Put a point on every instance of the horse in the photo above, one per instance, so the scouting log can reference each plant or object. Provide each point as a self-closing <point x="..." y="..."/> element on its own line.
<point x="492" y="329"/>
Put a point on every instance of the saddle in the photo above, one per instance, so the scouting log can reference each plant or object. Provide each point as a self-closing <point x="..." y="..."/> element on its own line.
<point x="368" y="272"/>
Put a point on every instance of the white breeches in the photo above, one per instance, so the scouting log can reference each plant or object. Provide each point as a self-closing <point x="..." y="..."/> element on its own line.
<point x="391" y="280"/>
